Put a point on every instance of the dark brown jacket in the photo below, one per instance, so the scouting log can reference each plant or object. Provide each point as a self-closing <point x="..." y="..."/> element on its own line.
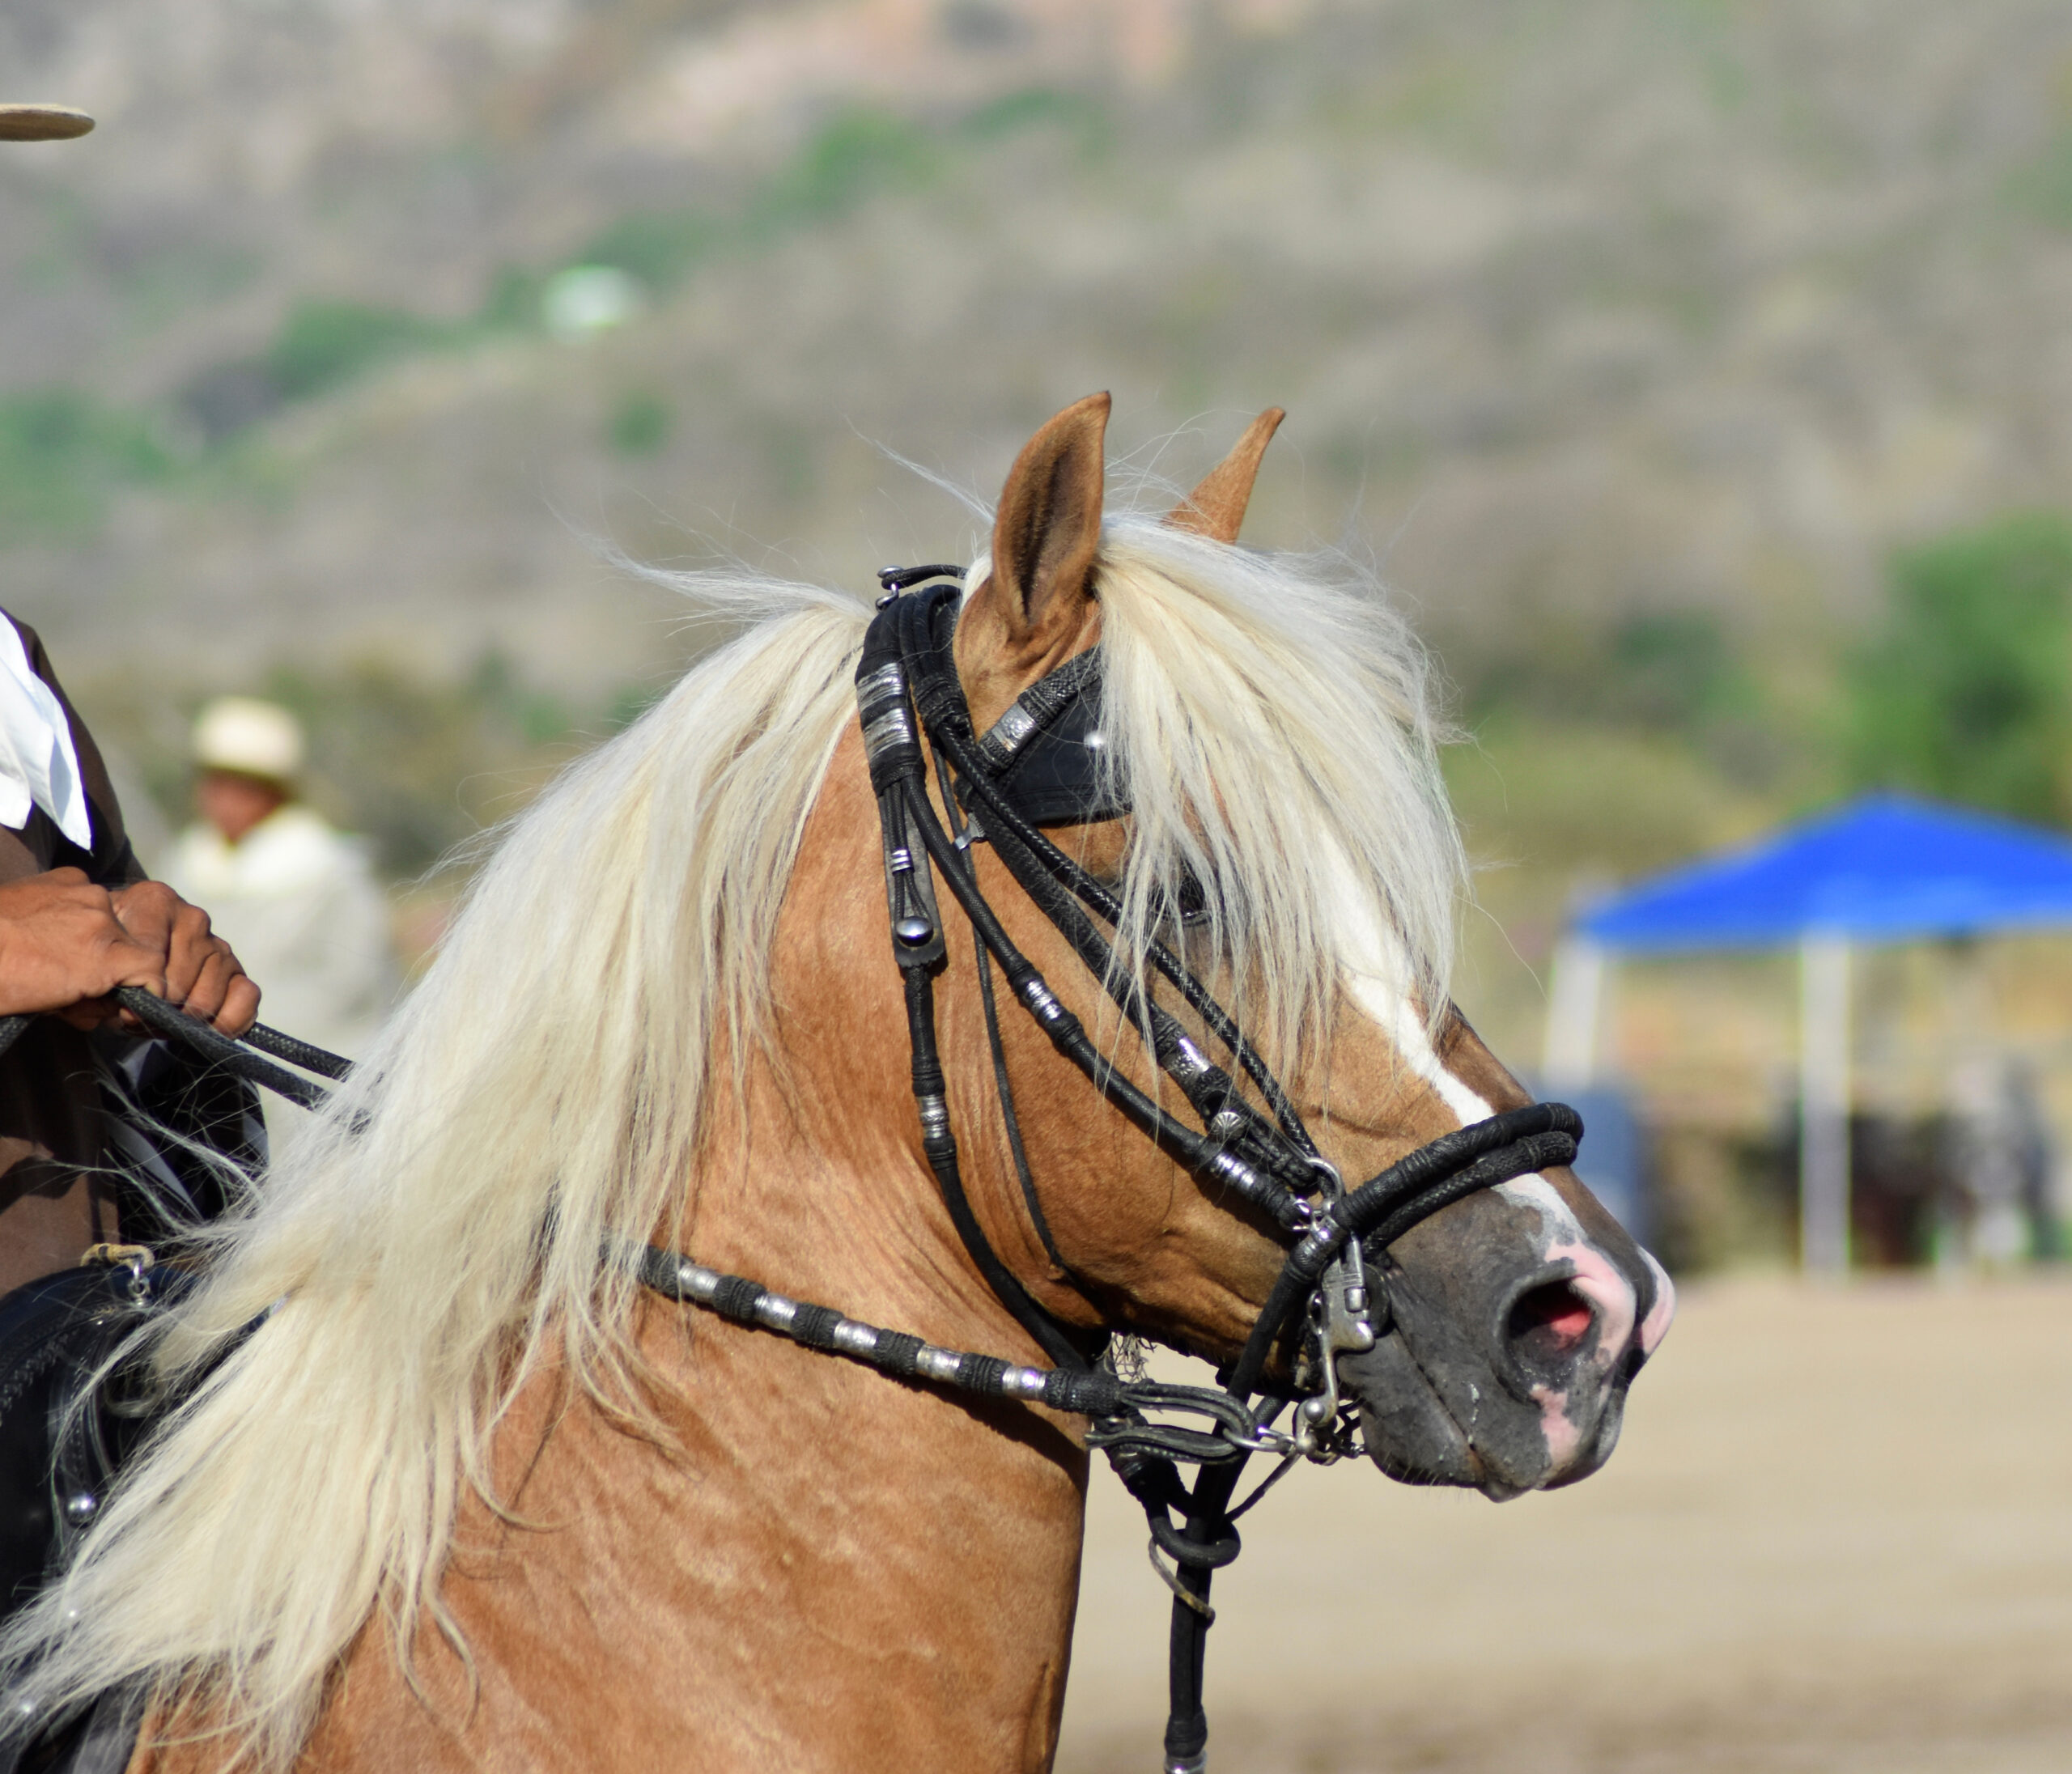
<point x="50" y="1113"/>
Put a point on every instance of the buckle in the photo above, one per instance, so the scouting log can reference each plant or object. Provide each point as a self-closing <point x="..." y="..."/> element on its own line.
<point x="893" y="580"/>
<point x="135" y="1257"/>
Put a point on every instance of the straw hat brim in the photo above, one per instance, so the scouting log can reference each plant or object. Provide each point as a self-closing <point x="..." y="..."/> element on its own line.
<point x="42" y="122"/>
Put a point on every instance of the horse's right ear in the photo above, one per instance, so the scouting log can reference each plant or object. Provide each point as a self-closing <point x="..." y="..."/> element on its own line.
<point x="1216" y="507"/>
<point x="1049" y="522"/>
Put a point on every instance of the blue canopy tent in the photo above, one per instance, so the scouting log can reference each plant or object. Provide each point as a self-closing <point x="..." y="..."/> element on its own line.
<point x="1886" y="868"/>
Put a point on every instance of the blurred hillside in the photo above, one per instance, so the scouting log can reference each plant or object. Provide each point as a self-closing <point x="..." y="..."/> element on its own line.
<point x="1632" y="336"/>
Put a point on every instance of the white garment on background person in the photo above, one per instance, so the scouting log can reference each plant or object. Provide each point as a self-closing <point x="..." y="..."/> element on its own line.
<point x="298" y="902"/>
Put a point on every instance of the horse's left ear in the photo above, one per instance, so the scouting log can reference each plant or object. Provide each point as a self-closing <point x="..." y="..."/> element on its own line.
<point x="1216" y="507"/>
<point x="1048" y="525"/>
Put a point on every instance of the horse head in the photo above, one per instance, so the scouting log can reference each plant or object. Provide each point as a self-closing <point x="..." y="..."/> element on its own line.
<point x="1515" y="1317"/>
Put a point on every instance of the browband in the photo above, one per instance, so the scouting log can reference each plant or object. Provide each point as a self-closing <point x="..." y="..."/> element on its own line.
<point x="1046" y="755"/>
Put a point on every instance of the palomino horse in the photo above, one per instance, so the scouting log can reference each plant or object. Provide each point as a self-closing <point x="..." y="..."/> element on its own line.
<point x="447" y="1487"/>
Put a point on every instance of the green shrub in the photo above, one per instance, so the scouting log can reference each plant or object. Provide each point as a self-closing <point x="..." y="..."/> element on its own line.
<point x="322" y="344"/>
<point x="61" y="452"/>
<point x="639" y="424"/>
<point x="858" y="155"/>
<point x="1035" y="108"/>
<point x="658" y="248"/>
<point x="2044" y="187"/>
<point x="1965" y="694"/>
<point x="513" y="301"/>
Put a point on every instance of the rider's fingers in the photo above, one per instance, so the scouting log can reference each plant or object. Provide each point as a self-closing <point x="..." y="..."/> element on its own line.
<point x="190" y="951"/>
<point x="125" y="961"/>
<point x="148" y="910"/>
<point x="206" y="990"/>
<point x="241" y="1005"/>
<point x="90" y="1013"/>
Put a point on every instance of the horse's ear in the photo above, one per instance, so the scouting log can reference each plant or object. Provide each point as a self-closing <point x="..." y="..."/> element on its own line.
<point x="1216" y="507"/>
<point x="1049" y="522"/>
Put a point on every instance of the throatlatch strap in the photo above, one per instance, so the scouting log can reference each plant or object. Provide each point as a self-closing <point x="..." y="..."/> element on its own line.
<point x="1002" y="1085"/>
<point x="939" y="1145"/>
<point x="913" y="841"/>
<point x="1004" y="1088"/>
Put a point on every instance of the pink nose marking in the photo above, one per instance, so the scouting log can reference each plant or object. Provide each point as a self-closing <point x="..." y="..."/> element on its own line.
<point x="1655" y="1326"/>
<point x="1563" y="1434"/>
<point x="1600" y="1283"/>
<point x="1616" y="1304"/>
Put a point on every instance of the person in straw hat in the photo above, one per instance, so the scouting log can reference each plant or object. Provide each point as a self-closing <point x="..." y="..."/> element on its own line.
<point x="296" y="896"/>
<point x="78" y="919"/>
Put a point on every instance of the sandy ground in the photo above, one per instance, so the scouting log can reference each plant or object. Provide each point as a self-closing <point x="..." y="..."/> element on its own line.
<point x="1838" y="1536"/>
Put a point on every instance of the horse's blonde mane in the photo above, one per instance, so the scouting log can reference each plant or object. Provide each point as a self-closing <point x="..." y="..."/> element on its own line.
<point x="434" y="1238"/>
<point x="1270" y="717"/>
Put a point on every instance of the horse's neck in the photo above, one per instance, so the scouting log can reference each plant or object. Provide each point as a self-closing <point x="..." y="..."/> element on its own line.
<point x="827" y="1570"/>
<point x="813" y="1182"/>
<point x="814" y="1565"/>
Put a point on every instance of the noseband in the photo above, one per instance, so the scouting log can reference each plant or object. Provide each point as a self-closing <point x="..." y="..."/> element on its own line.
<point x="1043" y="763"/>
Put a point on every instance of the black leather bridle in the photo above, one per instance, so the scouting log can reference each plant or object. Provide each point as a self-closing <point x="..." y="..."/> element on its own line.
<point x="1043" y="763"/>
<point x="1040" y="764"/>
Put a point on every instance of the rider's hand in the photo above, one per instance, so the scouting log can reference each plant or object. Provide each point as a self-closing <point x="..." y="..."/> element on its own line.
<point x="201" y="973"/>
<point x="63" y="949"/>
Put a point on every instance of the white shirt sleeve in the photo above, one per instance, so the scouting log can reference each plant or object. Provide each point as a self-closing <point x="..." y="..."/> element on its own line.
<point x="39" y="764"/>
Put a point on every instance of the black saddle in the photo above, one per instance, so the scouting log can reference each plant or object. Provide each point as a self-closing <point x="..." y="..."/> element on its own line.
<point x="68" y="1419"/>
<point x="61" y="1435"/>
<point x="185" y="1135"/>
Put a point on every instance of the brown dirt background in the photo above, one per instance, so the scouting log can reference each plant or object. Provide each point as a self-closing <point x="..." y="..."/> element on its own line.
<point x="1837" y="1537"/>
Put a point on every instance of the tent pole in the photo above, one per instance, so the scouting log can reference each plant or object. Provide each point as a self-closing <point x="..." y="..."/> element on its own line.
<point x="1574" y="1004"/>
<point x="1823" y="1099"/>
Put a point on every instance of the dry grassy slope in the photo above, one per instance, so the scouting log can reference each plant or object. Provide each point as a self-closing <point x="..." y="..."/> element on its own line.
<point x="1580" y="310"/>
<point x="379" y="148"/>
<point x="1577" y="307"/>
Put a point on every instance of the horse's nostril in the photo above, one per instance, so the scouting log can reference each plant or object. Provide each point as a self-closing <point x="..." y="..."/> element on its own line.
<point x="1549" y="1322"/>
